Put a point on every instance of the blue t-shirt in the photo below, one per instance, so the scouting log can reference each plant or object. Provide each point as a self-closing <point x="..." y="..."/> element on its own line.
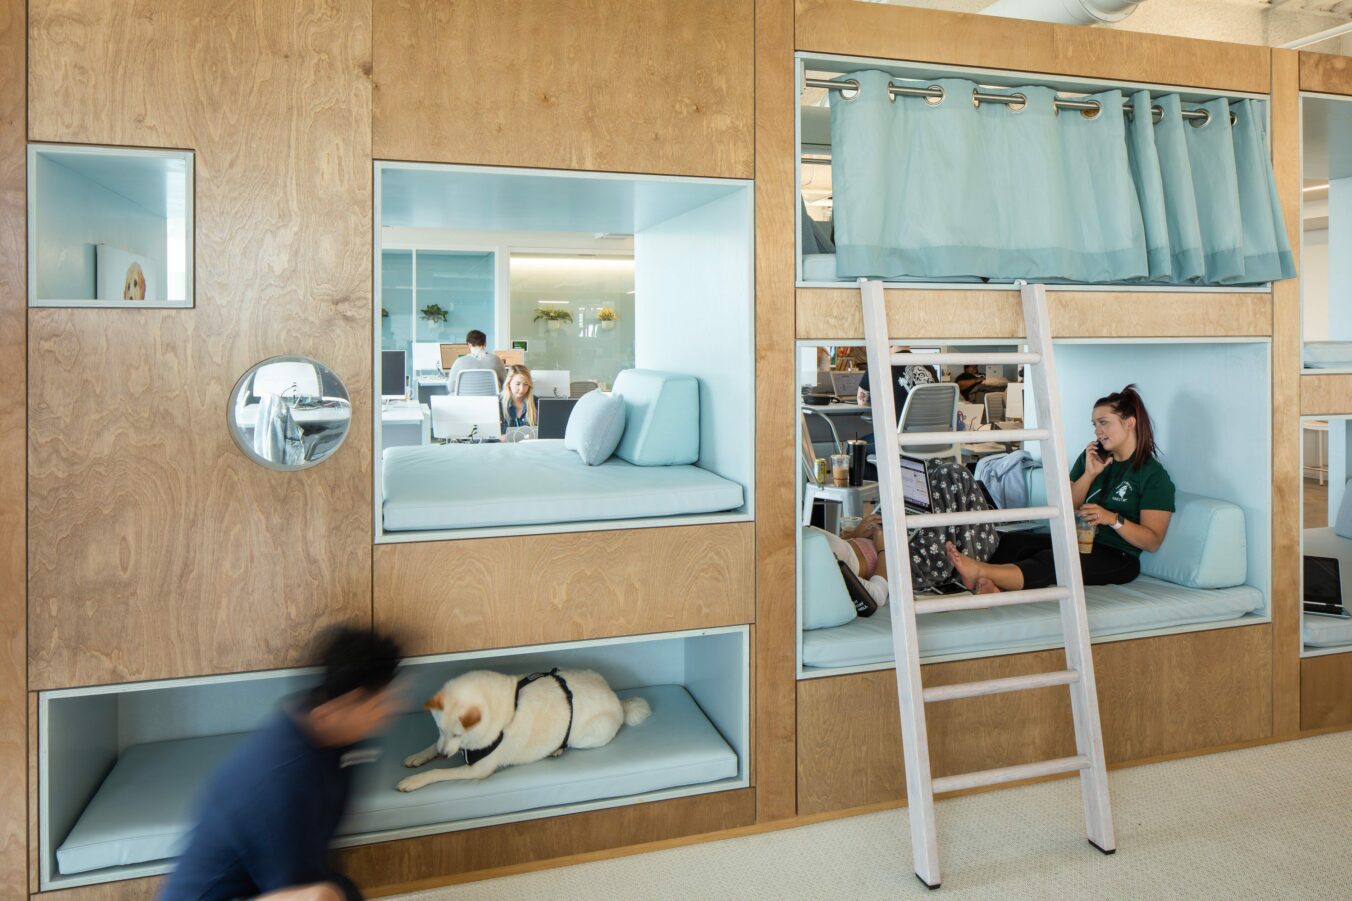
<point x="265" y="820"/>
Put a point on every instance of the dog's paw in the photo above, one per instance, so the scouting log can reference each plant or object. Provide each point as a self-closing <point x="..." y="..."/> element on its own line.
<point x="414" y="760"/>
<point x="411" y="783"/>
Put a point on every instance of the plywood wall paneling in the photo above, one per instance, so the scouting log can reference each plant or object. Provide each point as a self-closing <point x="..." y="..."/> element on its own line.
<point x="1156" y="695"/>
<point x="502" y="592"/>
<point x="13" y="411"/>
<point x="378" y="868"/>
<point x="661" y="86"/>
<point x="124" y="890"/>
<point x="776" y="413"/>
<point x="1326" y="395"/>
<point x="1286" y="472"/>
<point x="156" y="548"/>
<point x="1326" y="691"/>
<point x="929" y="35"/>
<point x="834" y="313"/>
<point x="1324" y="72"/>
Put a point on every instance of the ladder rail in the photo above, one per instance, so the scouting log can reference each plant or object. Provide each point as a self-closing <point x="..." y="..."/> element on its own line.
<point x="901" y="595"/>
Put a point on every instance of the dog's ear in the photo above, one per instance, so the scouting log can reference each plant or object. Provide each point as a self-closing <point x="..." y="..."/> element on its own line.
<point x="433" y="703"/>
<point x="470" y="718"/>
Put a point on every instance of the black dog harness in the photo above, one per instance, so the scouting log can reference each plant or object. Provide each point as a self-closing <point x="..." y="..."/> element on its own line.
<point x="473" y="756"/>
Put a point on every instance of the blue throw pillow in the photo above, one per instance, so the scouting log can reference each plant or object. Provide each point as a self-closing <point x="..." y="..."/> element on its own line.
<point x="595" y="427"/>
<point x="826" y="600"/>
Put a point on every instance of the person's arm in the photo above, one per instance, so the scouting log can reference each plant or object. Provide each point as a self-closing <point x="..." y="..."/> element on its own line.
<point x="1083" y="474"/>
<point x="1148" y="534"/>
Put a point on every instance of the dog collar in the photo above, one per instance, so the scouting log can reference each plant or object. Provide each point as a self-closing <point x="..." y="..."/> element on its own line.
<point x="474" y="755"/>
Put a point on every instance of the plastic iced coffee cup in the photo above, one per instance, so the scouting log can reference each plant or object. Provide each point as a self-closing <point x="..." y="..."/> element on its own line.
<point x="1084" y="534"/>
<point x="840" y="469"/>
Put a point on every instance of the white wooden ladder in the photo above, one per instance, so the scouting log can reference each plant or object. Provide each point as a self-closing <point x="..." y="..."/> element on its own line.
<point x="1078" y="675"/>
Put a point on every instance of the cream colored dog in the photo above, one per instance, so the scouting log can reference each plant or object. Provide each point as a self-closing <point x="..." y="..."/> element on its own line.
<point x="510" y="720"/>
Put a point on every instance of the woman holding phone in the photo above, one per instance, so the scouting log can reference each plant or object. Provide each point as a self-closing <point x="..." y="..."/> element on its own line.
<point x="1117" y="485"/>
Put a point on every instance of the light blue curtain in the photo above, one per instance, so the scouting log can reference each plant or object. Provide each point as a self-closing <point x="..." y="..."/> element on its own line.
<point x="951" y="189"/>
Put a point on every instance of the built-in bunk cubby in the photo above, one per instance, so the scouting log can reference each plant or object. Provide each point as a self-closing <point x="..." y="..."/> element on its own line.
<point x="1209" y="404"/>
<point x="967" y="178"/>
<point x="1326" y="535"/>
<point x="1326" y="222"/>
<point x="120" y="766"/>
<point x="639" y="287"/>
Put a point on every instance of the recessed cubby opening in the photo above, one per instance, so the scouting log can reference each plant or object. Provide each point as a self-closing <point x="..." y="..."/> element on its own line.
<point x="637" y="286"/>
<point x="1326" y="222"/>
<point x="1213" y="570"/>
<point x="1326" y="535"/>
<point x="120" y="766"/>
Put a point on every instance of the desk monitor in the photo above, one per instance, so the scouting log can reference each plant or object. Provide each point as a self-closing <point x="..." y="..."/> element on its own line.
<point x="552" y="382"/>
<point x="1014" y="400"/>
<point x="511" y="357"/>
<point x="554" y="413"/>
<point x="915" y="488"/>
<point x="1323" y="586"/>
<point x="452" y="352"/>
<point x="393" y="383"/>
<point x="460" y="417"/>
<point x="426" y="356"/>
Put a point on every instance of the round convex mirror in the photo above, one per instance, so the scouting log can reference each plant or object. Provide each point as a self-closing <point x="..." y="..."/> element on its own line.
<point x="289" y="413"/>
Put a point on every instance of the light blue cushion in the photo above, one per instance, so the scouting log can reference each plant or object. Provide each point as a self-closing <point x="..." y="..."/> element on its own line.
<point x="464" y="486"/>
<point x="1342" y="526"/>
<point x="594" y="427"/>
<point x="1138" y="606"/>
<point x="1326" y="631"/>
<point x="826" y="600"/>
<point x="1328" y="354"/>
<point x="661" y="417"/>
<point x="143" y="811"/>
<point x="1204" y="547"/>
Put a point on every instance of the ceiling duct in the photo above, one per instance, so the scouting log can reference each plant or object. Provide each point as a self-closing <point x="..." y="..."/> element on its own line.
<point x="1067" y="12"/>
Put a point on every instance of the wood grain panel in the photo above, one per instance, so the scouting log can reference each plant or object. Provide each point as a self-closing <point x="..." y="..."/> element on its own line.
<point x="435" y="857"/>
<point x="124" y="890"/>
<point x="776" y="416"/>
<point x="928" y="35"/>
<point x="1156" y="696"/>
<point x="1326" y="691"/>
<point x="834" y="313"/>
<point x="1326" y="395"/>
<point x="502" y="592"/>
<point x="1286" y="472"/>
<point x="13" y="413"/>
<point x="1325" y="73"/>
<point x="156" y="548"/>
<point x="662" y="86"/>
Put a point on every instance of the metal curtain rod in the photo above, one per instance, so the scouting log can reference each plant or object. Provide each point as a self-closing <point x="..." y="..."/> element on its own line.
<point x="935" y="94"/>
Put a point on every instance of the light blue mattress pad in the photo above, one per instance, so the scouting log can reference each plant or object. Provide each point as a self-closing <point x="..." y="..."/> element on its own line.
<point x="465" y="486"/>
<point x="1326" y="631"/>
<point x="144" y="809"/>
<point x="1140" y="605"/>
<point x="821" y="267"/>
<point x="1327" y="354"/>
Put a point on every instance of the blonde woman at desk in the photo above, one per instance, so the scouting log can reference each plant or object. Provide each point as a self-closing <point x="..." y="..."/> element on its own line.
<point x="519" y="407"/>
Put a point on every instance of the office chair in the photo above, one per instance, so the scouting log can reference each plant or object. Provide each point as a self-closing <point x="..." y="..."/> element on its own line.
<point x="931" y="408"/>
<point x="476" y="383"/>
<point x="577" y="389"/>
<point x="995" y="407"/>
<point x="819" y="446"/>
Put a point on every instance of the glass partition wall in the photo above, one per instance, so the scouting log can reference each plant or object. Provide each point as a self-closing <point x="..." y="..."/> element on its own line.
<point x="1326" y="534"/>
<point x="1326" y="222"/>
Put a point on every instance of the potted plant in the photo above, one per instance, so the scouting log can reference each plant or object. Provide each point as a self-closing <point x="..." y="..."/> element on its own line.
<point x="607" y="317"/>
<point x="553" y="319"/>
<point x="433" y="313"/>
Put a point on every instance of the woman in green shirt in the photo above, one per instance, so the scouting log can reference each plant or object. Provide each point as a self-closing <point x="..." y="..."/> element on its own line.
<point x="1118" y="484"/>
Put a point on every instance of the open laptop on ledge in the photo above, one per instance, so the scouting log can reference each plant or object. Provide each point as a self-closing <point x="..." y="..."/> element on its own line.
<point x="1323" y="587"/>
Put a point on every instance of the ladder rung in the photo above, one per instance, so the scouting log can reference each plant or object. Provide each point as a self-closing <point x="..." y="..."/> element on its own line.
<point x="964" y="517"/>
<point x="959" y="359"/>
<point x="997" y="686"/>
<point x="996" y="436"/>
<point x="986" y="601"/>
<point x="1010" y="774"/>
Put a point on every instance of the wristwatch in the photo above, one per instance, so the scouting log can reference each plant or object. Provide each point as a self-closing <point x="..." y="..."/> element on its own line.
<point x="1117" y="526"/>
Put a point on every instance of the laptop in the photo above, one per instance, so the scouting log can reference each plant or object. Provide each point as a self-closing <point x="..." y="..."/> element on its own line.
<point x="1323" y="586"/>
<point x="554" y="413"/>
<point x="845" y="385"/>
<point x="915" y="486"/>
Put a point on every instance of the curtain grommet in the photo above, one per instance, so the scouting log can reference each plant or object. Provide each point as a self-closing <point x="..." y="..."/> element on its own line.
<point x="1203" y="122"/>
<point x="1020" y="105"/>
<point x="932" y="100"/>
<point x="851" y="94"/>
<point x="1156" y="115"/>
<point x="1092" y="113"/>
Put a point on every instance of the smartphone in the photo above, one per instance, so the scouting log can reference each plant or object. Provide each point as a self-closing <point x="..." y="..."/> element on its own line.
<point x="1099" y="449"/>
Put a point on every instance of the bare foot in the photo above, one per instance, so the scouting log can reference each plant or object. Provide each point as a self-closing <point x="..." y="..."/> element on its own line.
<point x="985" y="586"/>
<point x="965" y="566"/>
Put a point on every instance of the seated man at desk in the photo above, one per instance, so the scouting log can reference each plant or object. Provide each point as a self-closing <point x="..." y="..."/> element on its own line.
<point x="477" y="358"/>
<point x="519" y="407"/>
<point x="968" y="381"/>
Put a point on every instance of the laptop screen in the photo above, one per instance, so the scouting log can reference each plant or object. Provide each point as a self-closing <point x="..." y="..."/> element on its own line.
<point x="1323" y="584"/>
<point x="915" y="490"/>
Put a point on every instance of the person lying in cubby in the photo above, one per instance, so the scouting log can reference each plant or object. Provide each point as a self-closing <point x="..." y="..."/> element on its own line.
<point x="267" y="816"/>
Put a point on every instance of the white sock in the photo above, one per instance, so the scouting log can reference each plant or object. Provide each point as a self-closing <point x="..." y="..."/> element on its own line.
<point x="877" y="587"/>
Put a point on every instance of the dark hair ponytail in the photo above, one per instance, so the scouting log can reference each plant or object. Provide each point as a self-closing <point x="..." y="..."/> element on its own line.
<point x="1127" y="403"/>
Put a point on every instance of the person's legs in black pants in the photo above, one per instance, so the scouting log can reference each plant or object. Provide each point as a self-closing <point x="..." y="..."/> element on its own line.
<point x="1025" y="560"/>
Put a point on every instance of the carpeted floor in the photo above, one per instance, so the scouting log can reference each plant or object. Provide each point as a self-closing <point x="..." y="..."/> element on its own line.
<point x="1267" y="822"/>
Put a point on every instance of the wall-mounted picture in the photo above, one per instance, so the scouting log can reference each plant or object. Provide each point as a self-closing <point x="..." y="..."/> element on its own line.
<point x="122" y="275"/>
